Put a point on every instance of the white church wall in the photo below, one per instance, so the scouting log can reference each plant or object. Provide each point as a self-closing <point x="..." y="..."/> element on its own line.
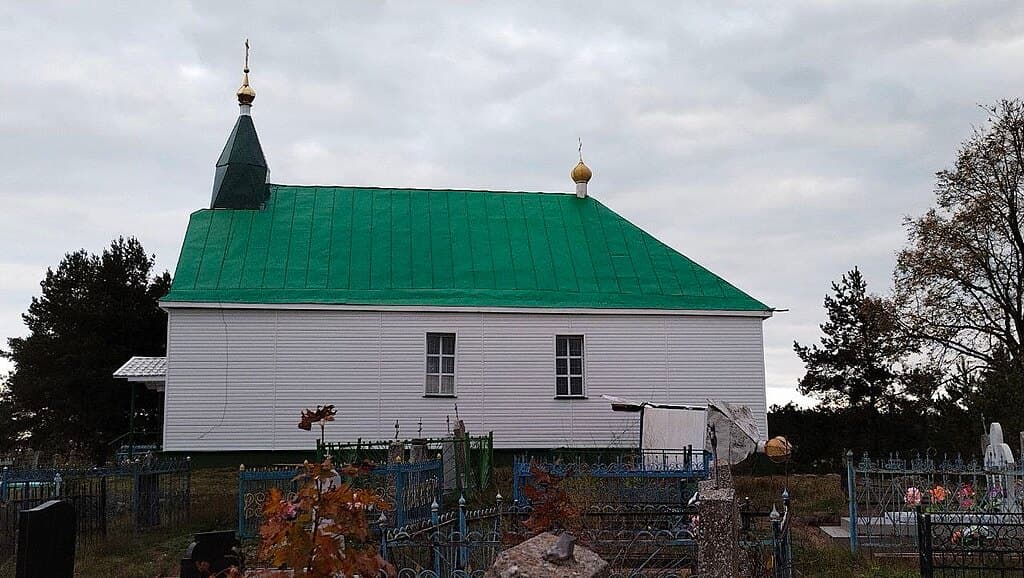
<point x="238" y="378"/>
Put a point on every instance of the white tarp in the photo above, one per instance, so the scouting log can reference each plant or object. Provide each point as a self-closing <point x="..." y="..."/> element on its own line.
<point x="667" y="432"/>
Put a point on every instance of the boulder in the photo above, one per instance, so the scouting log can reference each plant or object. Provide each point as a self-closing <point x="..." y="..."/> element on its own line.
<point x="545" y="556"/>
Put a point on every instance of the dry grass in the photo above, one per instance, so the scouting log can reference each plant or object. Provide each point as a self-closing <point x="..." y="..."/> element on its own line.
<point x="157" y="552"/>
<point x="817" y="500"/>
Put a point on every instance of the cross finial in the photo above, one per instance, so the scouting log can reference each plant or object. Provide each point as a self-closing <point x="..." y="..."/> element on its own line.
<point x="245" y="92"/>
<point x="581" y="148"/>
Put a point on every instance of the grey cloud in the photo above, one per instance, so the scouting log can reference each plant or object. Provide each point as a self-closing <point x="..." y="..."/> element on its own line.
<point x="779" y="144"/>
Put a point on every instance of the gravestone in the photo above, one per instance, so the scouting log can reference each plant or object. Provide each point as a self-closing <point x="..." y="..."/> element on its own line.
<point x="46" y="541"/>
<point x="419" y="452"/>
<point x="210" y="553"/>
<point x="999" y="459"/>
<point x="448" y="465"/>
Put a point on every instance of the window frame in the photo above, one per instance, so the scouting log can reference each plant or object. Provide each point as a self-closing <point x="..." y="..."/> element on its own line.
<point x="569" y="375"/>
<point x="441" y="356"/>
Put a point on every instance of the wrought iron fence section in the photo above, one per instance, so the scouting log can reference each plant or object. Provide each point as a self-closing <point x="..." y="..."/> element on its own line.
<point x="672" y="482"/>
<point x="426" y="573"/>
<point x="112" y="500"/>
<point x="879" y="515"/>
<point x="409" y="489"/>
<point x="638" y="540"/>
<point x="766" y="540"/>
<point x="970" y="543"/>
<point x="468" y="462"/>
<point x="254" y="486"/>
<point x="464" y="541"/>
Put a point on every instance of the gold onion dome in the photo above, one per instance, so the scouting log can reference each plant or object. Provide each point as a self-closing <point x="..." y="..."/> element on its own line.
<point x="581" y="173"/>
<point x="245" y="92"/>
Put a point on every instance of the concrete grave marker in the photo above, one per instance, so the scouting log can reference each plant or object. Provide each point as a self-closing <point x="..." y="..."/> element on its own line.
<point x="998" y="459"/>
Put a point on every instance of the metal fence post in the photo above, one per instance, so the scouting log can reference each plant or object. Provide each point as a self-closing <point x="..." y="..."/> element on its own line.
<point x="463" y="530"/>
<point x="851" y="488"/>
<point x="439" y="477"/>
<point x="3" y="484"/>
<point x="58" y="485"/>
<point x="188" y="488"/>
<point x="920" y="525"/>
<point x="498" y="529"/>
<point x="400" y="502"/>
<point x="241" y="501"/>
<point x="775" y="518"/>
<point x="787" y="544"/>
<point x="382" y="528"/>
<point x="927" y="562"/>
<point x="435" y="536"/>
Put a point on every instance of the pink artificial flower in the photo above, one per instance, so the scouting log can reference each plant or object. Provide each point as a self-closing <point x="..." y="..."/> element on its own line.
<point x="913" y="497"/>
<point x="966" y="495"/>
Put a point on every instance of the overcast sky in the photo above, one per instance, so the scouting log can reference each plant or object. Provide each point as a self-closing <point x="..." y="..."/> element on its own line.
<point x="777" y="143"/>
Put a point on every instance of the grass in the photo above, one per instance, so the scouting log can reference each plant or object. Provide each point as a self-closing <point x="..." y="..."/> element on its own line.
<point x="157" y="552"/>
<point x="815" y="499"/>
<point x="818" y="500"/>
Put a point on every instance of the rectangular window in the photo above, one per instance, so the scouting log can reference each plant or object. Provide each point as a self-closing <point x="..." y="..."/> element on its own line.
<point x="569" y="366"/>
<point x="440" y="364"/>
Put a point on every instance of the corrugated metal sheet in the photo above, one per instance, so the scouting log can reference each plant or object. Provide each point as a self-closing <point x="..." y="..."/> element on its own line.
<point x="143" y="368"/>
<point x="237" y="379"/>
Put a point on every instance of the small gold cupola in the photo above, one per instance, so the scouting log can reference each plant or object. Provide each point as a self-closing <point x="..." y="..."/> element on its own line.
<point x="581" y="175"/>
<point x="245" y="92"/>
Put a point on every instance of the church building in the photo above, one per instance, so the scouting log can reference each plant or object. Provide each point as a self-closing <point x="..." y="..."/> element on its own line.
<point x="394" y="304"/>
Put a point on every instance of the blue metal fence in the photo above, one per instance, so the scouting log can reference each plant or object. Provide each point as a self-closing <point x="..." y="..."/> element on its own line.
<point x="110" y="500"/>
<point x="635" y="539"/>
<point x="409" y="488"/>
<point x="648" y="481"/>
<point x="879" y="516"/>
<point x="466" y="541"/>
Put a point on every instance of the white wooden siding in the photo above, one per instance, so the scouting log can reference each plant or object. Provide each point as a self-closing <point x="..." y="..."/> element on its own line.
<point x="238" y="378"/>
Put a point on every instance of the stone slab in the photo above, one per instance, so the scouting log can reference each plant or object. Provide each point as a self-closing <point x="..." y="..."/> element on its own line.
<point x="836" y="533"/>
<point x="527" y="561"/>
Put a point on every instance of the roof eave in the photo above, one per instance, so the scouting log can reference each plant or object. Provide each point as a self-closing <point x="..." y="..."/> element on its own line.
<point x="762" y="313"/>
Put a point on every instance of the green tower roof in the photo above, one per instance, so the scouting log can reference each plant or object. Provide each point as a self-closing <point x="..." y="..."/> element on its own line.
<point x="241" y="178"/>
<point x="373" y="247"/>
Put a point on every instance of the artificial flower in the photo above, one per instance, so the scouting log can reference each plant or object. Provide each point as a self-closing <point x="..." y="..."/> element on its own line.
<point x="913" y="496"/>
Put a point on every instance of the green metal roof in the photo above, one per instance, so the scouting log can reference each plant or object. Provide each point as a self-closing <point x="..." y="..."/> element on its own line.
<point x="368" y="246"/>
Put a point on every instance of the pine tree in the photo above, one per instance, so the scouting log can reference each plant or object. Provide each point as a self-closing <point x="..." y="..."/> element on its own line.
<point x="862" y="368"/>
<point x="856" y="363"/>
<point x="94" y="313"/>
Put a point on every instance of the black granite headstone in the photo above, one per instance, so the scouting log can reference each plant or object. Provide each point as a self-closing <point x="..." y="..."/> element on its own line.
<point x="210" y="553"/>
<point x="46" y="541"/>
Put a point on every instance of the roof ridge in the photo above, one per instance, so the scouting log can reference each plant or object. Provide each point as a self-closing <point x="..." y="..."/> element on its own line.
<point x="426" y="189"/>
